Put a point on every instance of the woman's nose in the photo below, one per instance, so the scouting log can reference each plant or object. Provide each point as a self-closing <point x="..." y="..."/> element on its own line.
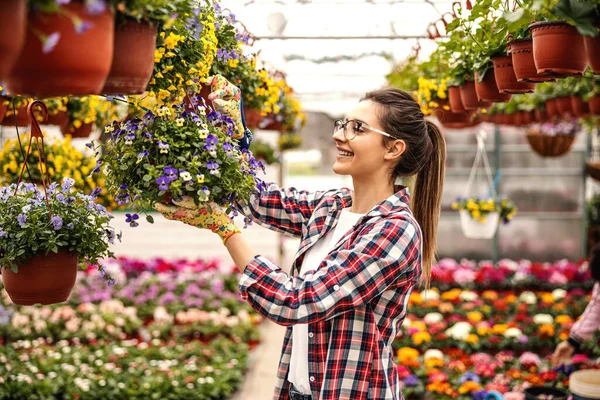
<point x="338" y="135"/>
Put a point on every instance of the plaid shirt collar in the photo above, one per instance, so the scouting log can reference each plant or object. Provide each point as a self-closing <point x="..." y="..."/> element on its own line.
<point x="398" y="201"/>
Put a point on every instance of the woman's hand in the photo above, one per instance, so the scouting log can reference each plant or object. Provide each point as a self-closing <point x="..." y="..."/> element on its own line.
<point x="226" y="98"/>
<point x="563" y="353"/>
<point x="215" y="220"/>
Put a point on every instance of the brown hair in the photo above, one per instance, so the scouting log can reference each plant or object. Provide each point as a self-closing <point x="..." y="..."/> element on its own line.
<point x="425" y="156"/>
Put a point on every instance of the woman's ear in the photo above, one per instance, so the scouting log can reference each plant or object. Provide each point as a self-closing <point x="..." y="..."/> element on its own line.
<point x="395" y="149"/>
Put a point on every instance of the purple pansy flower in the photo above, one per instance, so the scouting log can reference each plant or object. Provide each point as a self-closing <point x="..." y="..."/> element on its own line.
<point x="57" y="222"/>
<point x="163" y="183"/>
<point x="171" y="173"/>
<point x="131" y="219"/>
<point x="22" y="219"/>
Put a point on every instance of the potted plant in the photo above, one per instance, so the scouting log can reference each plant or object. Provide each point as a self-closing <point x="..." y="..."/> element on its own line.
<point x="51" y="63"/>
<point x="263" y="151"/>
<point x="581" y="87"/>
<point x="289" y="141"/>
<point x="15" y="111"/>
<point x="479" y="217"/>
<point x="85" y="113"/>
<point x="13" y="14"/>
<point x="552" y="139"/>
<point x="57" y="111"/>
<point x="176" y="153"/>
<point x="433" y="97"/>
<point x="42" y="240"/>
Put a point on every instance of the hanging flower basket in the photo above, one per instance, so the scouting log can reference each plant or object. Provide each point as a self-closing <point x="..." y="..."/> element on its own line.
<point x="469" y="98"/>
<point x="82" y="131"/>
<point x="540" y="115"/>
<point x="78" y="64"/>
<point x="42" y="279"/>
<point x="558" y="49"/>
<point x="506" y="79"/>
<point x="133" y="60"/>
<point x="252" y="117"/>
<point x="22" y="119"/>
<point x="550" y="146"/>
<point x="456" y="104"/>
<point x="592" y="52"/>
<point x="487" y="90"/>
<point x="13" y="14"/>
<point x="2" y="109"/>
<point x="521" y="51"/>
<point x="474" y="229"/>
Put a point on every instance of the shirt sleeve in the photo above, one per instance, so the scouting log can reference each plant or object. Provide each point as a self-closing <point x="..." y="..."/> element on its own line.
<point x="588" y="324"/>
<point x="386" y="252"/>
<point x="282" y="210"/>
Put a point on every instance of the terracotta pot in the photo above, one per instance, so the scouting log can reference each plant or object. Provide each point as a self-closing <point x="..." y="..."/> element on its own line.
<point x="594" y="104"/>
<point x="59" y="119"/>
<point x="82" y="132"/>
<point x="592" y="52"/>
<point x="451" y="119"/>
<point x="79" y="63"/>
<point x="540" y="115"/>
<point x="523" y="64"/>
<point x="506" y="79"/>
<point x="193" y="100"/>
<point x="456" y="105"/>
<point x="552" y="108"/>
<point x="252" y="117"/>
<point x="527" y="117"/>
<point x="564" y="107"/>
<point x="579" y="107"/>
<point x="273" y="125"/>
<point x="487" y="89"/>
<point x="133" y="60"/>
<point x="13" y="14"/>
<point x="43" y="279"/>
<point x="469" y="98"/>
<point x="558" y="48"/>
<point x="22" y="119"/>
<point x="550" y="146"/>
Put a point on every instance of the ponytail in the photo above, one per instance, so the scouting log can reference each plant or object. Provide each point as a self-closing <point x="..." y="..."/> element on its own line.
<point x="427" y="198"/>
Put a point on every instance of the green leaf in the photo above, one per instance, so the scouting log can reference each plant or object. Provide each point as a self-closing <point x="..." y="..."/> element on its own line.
<point x="150" y="219"/>
<point x="147" y="178"/>
<point x="14" y="268"/>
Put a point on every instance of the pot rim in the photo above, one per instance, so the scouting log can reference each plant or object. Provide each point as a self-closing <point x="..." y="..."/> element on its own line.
<point x="519" y="41"/>
<point x="549" y="23"/>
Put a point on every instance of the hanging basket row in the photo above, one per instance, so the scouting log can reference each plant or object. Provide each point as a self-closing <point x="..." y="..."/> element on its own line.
<point x="48" y="56"/>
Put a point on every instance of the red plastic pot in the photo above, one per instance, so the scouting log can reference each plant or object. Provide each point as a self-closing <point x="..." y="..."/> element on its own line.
<point x="558" y="48"/>
<point x="451" y="119"/>
<point x="469" y="98"/>
<point x="552" y="108"/>
<point x="521" y="52"/>
<point x="82" y="132"/>
<point x="13" y="14"/>
<point x="79" y="63"/>
<point x="540" y="115"/>
<point x="487" y="90"/>
<point x="579" y="107"/>
<point x="563" y="104"/>
<point x="592" y="52"/>
<point x="456" y="104"/>
<point x="594" y="104"/>
<point x="506" y="79"/>
<point x="133" y="60"/>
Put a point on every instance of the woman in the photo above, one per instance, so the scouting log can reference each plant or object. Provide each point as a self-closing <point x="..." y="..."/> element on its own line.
<point x="585" y="328"/>
<point x="362" y="251"/>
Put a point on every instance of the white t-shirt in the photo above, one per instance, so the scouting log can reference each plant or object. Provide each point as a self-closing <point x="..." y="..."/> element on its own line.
<point x="298" y="373"/>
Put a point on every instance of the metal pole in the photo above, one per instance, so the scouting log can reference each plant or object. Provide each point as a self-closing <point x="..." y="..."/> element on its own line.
<point x="281" y="239"/>
<point x="497" y="166"/>
<point x="585" y="222"/>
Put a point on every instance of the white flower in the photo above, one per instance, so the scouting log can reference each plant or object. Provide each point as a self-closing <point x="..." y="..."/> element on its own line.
<point x="468" y="295"/>
<point x="406" y="323"/>
<point x="459" y="331"/>
<point x="433" y="318"/>
<point x="543" y="319"/>
<point x="429" y="294"/>
<point x="520" y="276"/>
<point x="513" y="333"/>
<point x="528" y="298"/>
<point x="433" y="353"/>
<point x="558" y="294"/>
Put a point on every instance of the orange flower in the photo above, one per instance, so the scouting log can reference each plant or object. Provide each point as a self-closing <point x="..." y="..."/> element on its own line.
<point x="434" y="363"/>
<point x="421" y="337"/>
<point x="446" y="307"/>
<point x="546" y="297"/>
<point x="472" y="338"/>
<point x="469" y="387"/>
<point x="407" y="354"/>
<point x="511" y="299"/>
<point x="563" y="319"/>
<point x="499" y="329"/>
<point x="564" y="335"/>
<point x="475" y="316"/>
<point x="451" y="294"/>
<point x="490" y="295"/>
<point x="420" y="325"/>
<point x="415" y="298"/>
<point x="547" y="330"/>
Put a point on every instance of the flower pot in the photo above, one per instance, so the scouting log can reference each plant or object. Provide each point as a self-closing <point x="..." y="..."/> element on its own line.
<point x="552" y="108"/>
<point x="82" y="132"/>
<point x="540" y="115"/>
<point x="558" y="48"/>
<point x="585" y="384"/>
<point x="272" y="125"/>
<point x="593" y="169"/>
<point x="523" y="64"/>
<point x="456" y="105"/>
<point x="538" y="392"/>
<point x="22" y="119"/>
<point x="487" y="90"/>
<point x="2" y="109"/>
<point x="563" y="105"/>
<point x="506" y="79"/>
<point x="79" y="63"/>
<point x="594" y="104"/>
<point x="527" y="117"/>
<point x="451" y="119"/>
<point x="592" y="52"/>
<point x="579" y="107"/>
<point x="59" y="119"/>
<point x="192" y="101"/>
<point x="42" y="279"/>
<point x="474" y="229"/>
<point x="252" y="117"/>
<point x="469" y="98"/>
<point x="550" y="146"/>
<point x="133" y="60"/>
<point x="13" y="14"/>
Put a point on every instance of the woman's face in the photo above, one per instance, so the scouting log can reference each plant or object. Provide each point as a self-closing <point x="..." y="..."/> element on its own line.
<point x="367" y="156"/>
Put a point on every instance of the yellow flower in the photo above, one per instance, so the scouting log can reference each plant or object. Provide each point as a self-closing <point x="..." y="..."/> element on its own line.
<point x="547" y="329"/>
<point x="499" y="329"/>
<point x="172" y="41"/>
<point x="472" y="338"/>
<point x="563" y="319"/>
<point x="407" y="354"/>
<point x="421" y="337"/>
<point x="483" y="330"/>
<point x="469" y="387"/>
<point x="475" y="316"/>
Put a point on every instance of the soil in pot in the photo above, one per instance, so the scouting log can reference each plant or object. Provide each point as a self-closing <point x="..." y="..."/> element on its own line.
<point x="133" y="60"/>
<point x="506" y="79"/>
<point x="42" y="279"/>
<point x="456" y="104"/>
<point x="79" y="63"/>
<point x="558" y="48"/>
<point x="469" y="98"/>
<point x="13" y="14"/>
<point x="523" y="64"/>
<point x="487" y="90"/>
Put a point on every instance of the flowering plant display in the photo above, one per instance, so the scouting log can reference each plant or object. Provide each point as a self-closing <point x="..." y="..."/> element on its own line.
<point x="479" y="208"/>
<point x="63" y="161"/>
<point x="289" y="141"/>
<point x="432" y="94"/>
<point x="161" y="11"/>
<point x="177" y="153"/>
<point x="287" y="111"/>
<point x="563" y="127"/>
<point x="90" y="110"/>
<point x="263" y="151"/>
<point x="77" y="225"/>
<point x="184" y="53"/>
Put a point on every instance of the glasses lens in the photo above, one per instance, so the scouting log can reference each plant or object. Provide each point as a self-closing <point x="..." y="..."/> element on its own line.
<point x="337" y="125"/>
<point x="352" y="129"/>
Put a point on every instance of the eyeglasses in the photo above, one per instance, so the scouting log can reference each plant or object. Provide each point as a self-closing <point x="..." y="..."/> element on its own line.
<point x="354" y="127"/>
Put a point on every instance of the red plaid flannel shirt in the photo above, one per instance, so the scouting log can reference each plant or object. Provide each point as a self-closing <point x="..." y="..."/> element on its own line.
<point x="354" y="302"/>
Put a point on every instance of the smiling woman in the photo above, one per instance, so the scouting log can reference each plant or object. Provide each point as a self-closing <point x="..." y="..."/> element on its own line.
<point x="362" y="252"/>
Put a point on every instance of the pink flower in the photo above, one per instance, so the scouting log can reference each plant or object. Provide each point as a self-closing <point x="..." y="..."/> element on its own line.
<point x="580" y="359"/>
<point x="514" y="396"/>
<point x="438" y="377"/>
<point x="495" y="386"/>
<point x="481" y="358"/>
<point x="557" y="278"/>
<point x="463" y="276"/>
<point x="528" y="359"/>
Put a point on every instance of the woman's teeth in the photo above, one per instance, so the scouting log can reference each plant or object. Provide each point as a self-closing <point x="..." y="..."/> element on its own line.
<point x="345" y="153"/>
